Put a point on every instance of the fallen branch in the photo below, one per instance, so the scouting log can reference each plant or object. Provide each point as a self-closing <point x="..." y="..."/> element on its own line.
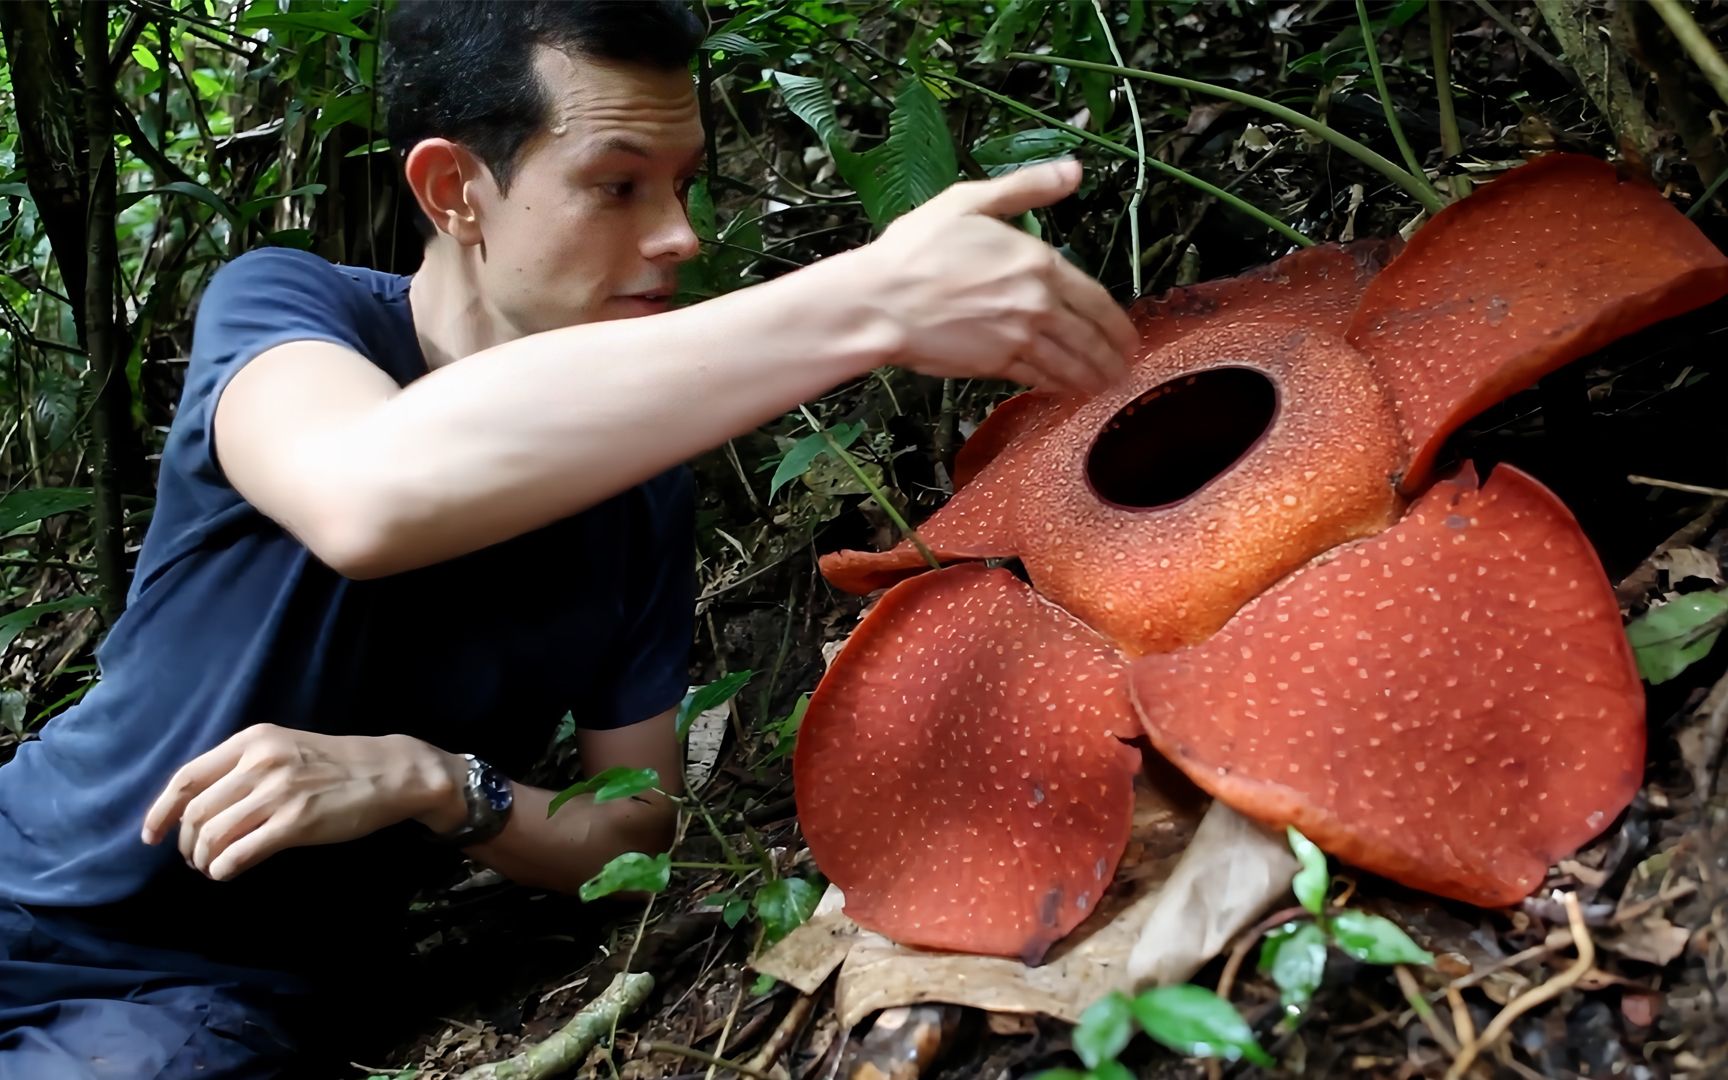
<point x="566" y="1047"/>
<point x="781" y="1039"/>
<point x="1548" y="991"/>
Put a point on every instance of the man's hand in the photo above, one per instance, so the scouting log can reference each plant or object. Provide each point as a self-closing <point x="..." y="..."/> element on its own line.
<point x="977" y="298"/>
<point x="270" y="788"/>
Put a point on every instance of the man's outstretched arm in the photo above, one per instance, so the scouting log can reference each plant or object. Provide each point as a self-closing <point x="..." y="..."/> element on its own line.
<point x="270" y="788"/>
<point x="376" y="479"/>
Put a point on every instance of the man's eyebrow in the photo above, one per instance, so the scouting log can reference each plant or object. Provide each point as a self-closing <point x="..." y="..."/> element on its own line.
<point x="619" y="144"/>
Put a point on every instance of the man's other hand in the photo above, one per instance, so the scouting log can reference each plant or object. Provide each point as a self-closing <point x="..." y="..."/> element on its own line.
<point x="974" y="297"/>
<point x="270" y="788"/>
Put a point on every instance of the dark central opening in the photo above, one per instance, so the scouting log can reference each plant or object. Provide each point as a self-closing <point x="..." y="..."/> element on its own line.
<point x="1170" y="441"/>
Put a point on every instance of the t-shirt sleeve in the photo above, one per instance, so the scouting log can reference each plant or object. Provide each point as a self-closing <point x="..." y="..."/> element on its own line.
<point x="654" y="655"/>
<point x="261" y="299"/>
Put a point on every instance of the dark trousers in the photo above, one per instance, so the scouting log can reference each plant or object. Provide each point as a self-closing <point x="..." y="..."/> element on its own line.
<point x="79" y="1001"/>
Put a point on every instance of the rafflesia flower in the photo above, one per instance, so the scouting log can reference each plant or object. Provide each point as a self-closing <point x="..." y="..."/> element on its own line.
<point x="1243" y="553"/>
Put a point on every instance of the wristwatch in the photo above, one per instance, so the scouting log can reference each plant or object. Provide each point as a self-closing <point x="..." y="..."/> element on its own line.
<point x="489" y="796"/>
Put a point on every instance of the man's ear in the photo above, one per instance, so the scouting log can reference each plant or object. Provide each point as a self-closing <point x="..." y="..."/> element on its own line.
<point x="440" y="174"/>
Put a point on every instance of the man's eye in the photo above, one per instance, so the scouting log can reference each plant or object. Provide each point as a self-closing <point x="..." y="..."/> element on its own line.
<point x="621" y="190"/>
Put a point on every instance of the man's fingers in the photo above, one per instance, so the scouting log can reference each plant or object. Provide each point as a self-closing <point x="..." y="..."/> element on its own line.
<point x="1016" y="192"/>
<point x="185" y="785"/>
<point x="211" y="817"/>
<point x="1061" y="367"/>
<point x="1083" y="339"/>
<point x="1093" y="302"/>
<point x="253" y="848"/>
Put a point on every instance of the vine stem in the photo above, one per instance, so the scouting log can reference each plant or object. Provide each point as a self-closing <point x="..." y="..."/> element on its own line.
<point x="1417" y="186"/>
<point x="649" y="1048"/>
<point x="1228" y="198"/>
<point x="870" y="485"/>
<point x="1440" y="44"/>
<point x="1697" y="46"/>
<point x="1373" y="50"/>
<point x="1139" y="148"/>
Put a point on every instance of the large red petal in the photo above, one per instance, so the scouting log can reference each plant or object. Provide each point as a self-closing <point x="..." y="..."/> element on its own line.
<point x="959" y="770"/>
<point x="1007" y="425"/>
<point x="1317" y="287"/>
<point x="1167" y="568"/>
<point x="1545" y="265"/>
<point x="1452" y="704"/>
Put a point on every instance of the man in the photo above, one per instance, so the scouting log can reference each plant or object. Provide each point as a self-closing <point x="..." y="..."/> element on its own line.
<point x="406" y="520"/>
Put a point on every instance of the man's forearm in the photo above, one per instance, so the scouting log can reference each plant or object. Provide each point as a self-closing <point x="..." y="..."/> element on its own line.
<point x="557" y="852"/>
<point x="527" y="432"/>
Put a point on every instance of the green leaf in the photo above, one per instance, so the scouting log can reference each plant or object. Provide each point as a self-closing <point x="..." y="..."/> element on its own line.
<point x="1295" y="956"/>
<point x="1194" y="1021"/>
<point x="734" y="911"/>
<point x="1104" y="1029"/>
<point x="700" y="208"/>
<point x="29" y="505"/>
<point x="810" y="101"/>
<point x="629" y="872"/>
<point x="1374" y="940"/>
<point x="912" y="165"/>
<point x="144" y="58"/>
<point x="1669" y="639"/>
<point x="1312" y="882"/>
<point x="806" y="450"/>
<point x="196" y="192"/>
<point x="763" y="984"/>
<point x="783" y="905"/>
<point x="786" y="731"/>
<point x="618" y="782"/>
<point x="1063" y="1074"/>
<point x="14" y="623"/>
<point x="376" y="146"/>
<point x="1110" y="1070"/>
<point x="733" y="44"/>
<point x="1015" y="16"/>
<point x="1023" y="148"/>
<point x="712" y="696"/>
<point x="314" y="22"/>
<point x="15" y="189"/>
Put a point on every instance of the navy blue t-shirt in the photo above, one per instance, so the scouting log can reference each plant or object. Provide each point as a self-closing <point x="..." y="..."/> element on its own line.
<point x="232" y="622"/>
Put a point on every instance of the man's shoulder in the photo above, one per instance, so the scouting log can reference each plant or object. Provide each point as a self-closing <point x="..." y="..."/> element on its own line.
<point x="278" y="269"/>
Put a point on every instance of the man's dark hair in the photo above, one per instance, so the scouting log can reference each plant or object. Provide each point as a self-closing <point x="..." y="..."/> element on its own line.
<point x="464" y="69"/>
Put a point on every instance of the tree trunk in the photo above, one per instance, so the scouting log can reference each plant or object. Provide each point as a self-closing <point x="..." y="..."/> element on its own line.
<point x="50" y="145"/>
<point x="111" y="405"/>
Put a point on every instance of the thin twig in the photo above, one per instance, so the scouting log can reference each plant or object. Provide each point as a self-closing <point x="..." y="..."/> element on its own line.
<point x="1505" y="23"/>
<point x="1414" y="183"/>
<point x="1696" y="44"/>
<point x="1548" y="991"/>
<point x="787" y="1030"/>
<point x="1189" y="178"/>
<point x="1440" y="44"/>
<point x="875" y="492"/>
<point x="692" y="1054"/>
<point x="1139" y="147"/>
<point x="1424" y="1012"/>
<point x="1694" y="489"/>
<point x="1371" y="45"/>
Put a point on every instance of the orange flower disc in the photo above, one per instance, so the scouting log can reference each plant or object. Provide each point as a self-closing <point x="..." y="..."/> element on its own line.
<point x="960" y="772"/>
<point x="1231" y="457"/>
<point x="1451" y="704"/>
<point x="1318" y="287"/>
<point x="1545" y="265"/>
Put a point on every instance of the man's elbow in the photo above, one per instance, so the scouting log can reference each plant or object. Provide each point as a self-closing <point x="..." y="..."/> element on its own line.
<point x="355" y="538"/>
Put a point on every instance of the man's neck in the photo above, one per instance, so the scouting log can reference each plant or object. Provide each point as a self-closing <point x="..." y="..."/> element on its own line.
<point x="450" y="318"/>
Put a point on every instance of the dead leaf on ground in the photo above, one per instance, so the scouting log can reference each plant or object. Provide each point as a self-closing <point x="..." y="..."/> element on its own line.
<point x="1189" y="883"/>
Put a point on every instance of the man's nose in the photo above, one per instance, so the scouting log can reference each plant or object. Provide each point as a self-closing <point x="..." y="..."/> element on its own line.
<point x="673" y="238"/>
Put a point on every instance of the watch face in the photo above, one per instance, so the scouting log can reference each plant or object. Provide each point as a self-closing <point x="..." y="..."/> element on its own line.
<point x="496" y="787"/>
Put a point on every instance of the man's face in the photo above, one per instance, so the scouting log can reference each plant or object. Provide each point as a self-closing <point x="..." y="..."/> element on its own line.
<point x="593" y="226"/>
